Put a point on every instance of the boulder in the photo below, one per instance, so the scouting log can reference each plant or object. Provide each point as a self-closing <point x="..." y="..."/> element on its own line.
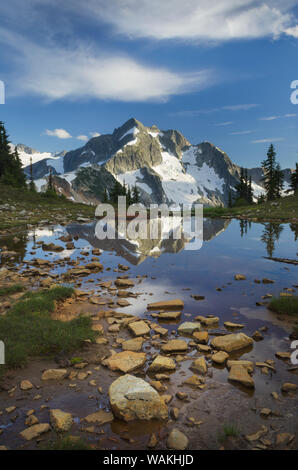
<point x="175" y="345"/>
<point x="162" y="363"/>
<point x="54" y="374"/>
<point x="188" y="328"/>
<point x="126" y="361"/>
<point x="177" y="440"/>
<point x="239" y="374"/>
<point x="220" y="357"/>
<point x="139" y="328"/>
<point x="289" y="387"/>
<point x="26" y="385"/>
<point x="34" y="431"/>
<point x="231" y="342"/>
<point x="201" y="336"/>
<point x="132" y="398"/>
<point x="134" y="344"/>
<point x="200" y="365"/>
<point x="60" y="420"/>
<point x="124" y="283"/>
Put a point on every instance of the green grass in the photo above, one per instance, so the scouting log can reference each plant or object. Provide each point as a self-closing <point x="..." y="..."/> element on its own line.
<point x="11" y="290"/>
<point x="228" y="430"/>
<point x="28" y="329"/>
<point x="283" y="209"/>
<point x="285" y="305"/>
<point x="67" y="443"/>
<point x="41" y="207"/>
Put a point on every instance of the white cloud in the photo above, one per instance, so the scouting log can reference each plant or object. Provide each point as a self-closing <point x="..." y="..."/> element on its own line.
<point x="94" y="134"/>
<point x="83" y="73"/>
<point x="82" y="137"/>
<point x="198" y="20"/>
<point x="197" y="112"/>
<point x="241" y="132"/>
<point x="226" y="123"/>
<point x="269" y="118"/>
<point x="264" y="141"/>
<point x="292" y="31"/>
<point x="60" y="133"/>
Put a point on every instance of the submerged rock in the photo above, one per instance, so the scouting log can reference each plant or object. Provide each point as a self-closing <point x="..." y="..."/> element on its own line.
<point x="132" y="398"/>
<point x="177" y="440"/>
<point x="189" y="328"/>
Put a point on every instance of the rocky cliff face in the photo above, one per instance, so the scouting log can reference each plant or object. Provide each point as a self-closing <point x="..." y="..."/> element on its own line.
<point x="163" y="164"/>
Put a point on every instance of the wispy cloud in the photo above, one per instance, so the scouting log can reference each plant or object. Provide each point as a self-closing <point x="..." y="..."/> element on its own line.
<point x="83" y="137"/>
<point x="83" y="72"/>
<point x="265" y="141"/>
<point x="273" y="118"/>
<point x="241" y="132"/>
<point x="198" y="112"/>
<point x="94" y="134"/>
<point x="196" y="20"/>
<point x="226" y="123"/>
<point x="60" y="133"/>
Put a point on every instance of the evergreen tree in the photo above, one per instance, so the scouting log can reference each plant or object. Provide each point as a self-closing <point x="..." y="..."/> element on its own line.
<point x="135" y="195"/>
<point x="294" y="180"/>
<point x="244" y="188"/>
<point x="11" y="172"/>
<point x="50" y="181"/>
<point x="105" y="196"/>
<point x="129" y="196"/>
<point x="31" y="183"/>
<point x="116" y="191"/>
<point x="273" y="176"/>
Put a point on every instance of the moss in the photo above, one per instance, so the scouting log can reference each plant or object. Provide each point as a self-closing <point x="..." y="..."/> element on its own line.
<point x="28" y="329"/>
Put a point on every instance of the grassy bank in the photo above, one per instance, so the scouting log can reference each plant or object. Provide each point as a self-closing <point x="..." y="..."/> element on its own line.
<point x="28" y="329"/>
<point x="284" y="209"/>
<point x="284" y="305"/>
<point x="37" y="207"/>
<point x="5" y="291"/>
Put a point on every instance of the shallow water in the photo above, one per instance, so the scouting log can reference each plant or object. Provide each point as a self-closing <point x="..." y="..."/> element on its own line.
<point x="173" y="271"/>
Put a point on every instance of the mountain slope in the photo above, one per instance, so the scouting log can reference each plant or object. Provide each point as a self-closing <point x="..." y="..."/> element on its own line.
<point x="163" y="164"/>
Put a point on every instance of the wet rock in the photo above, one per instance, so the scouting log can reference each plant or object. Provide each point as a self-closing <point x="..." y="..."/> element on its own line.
<point x="175" y="345"/>
<point x="208" y="321"/>
<point x="232" y="342"/>
<point x="134" y="344"/>
<point x="239" y="374"/>
<point x="267" y="281"/>
<point x="169" y="315"/>
<point x="60" y="420"/>
<point x="220" y="357"/>
<point x="124" y="283"/>
<point x="139" y="328"/>
<point x="177" y="440"/>
<point x="201" y="336"/>
<point x="194" y="381"/>
<point x="35" y="431"/>
<point x="248" y="365"/>
<point x="188" y="328"/>
<point x="229" y="324"/>
<point x="257" y="435"/>
<point x="152" y="441"/>
<point x="200" y="365"/>
<point x="283" y="355"/>
<point x="99" y="417"/>
<point x="265" y="412"/>
<point x="31" y="420"/>
<point x="162" y="363"/>
<point x="26" y="385"/>
<point x="54" y="374"/>
<point x="126" y="361"/>
<point x="239" y="277"/>
<point x="289" y="387"/>
<point x="132" y="398"/>
<point x="284" y="438"/>
<point x="257" y="336"/>
<point x="166" y="304"/>
<point x="175" y="413"/>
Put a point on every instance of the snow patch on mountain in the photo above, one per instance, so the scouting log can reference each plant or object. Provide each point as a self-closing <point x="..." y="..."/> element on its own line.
<point x="131" y="178"/>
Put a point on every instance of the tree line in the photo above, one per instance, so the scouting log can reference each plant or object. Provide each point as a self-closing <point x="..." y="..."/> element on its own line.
<point x="132" y="194"/>
<point x="273" y="181"/>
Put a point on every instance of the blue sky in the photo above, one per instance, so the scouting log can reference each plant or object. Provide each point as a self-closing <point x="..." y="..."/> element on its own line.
<point x="217" y="71"/>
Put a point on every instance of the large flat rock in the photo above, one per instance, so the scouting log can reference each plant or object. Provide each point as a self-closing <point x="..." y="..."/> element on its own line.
<point x="132" y="398"/>
<point x="126" y="361"/>
<point x="231" y="342"/>
<point x="166" y="304"/>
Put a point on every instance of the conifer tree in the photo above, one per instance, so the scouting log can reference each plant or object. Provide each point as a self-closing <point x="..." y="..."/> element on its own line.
<point x="294" y="180"/>
<point x="135" y="195"/>
<point x="31" y="183"/>
<point x="273" y="176"/>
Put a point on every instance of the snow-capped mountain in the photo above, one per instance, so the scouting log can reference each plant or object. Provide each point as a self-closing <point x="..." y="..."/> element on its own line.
<point x="27" y="154"/>
<point x="163" y="164"/>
